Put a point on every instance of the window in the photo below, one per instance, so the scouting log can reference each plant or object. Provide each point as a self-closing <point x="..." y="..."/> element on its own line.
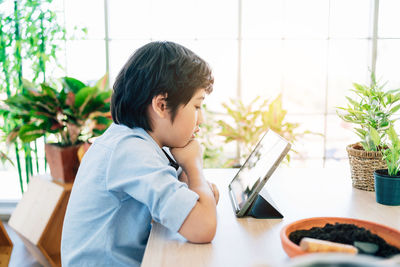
<point x="309" y="50"/>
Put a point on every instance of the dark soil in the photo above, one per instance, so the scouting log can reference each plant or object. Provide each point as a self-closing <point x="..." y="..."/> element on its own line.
<point x="358" y="147"/>
<point x="346" y="234"/>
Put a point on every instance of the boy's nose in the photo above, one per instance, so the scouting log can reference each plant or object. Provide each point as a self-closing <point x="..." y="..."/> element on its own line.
<point x="200" y="119"/>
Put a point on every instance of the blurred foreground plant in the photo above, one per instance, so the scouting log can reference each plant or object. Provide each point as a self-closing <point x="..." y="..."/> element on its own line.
<point x="250" y="121"/>
<point x="212" y="155"/>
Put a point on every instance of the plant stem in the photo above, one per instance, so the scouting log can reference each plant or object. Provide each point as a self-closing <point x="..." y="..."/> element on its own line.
<point x="36" y="157"/>
<point x="42" y="49"/>
<point x="18" y="56"/>
<point x="45" y="159"/>
<point x="27" y="163"/>
<point x="21" y="182"/>
<point x="4" y="59"/>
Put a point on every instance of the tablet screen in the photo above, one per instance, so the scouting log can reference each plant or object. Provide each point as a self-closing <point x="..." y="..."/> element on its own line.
<point x="263" y="160"/>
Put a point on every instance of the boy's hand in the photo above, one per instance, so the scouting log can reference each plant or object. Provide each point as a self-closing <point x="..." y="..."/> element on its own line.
<point x="189" y="156"/>
<point x="183" y="178"/>
<point x="215" y="191"/>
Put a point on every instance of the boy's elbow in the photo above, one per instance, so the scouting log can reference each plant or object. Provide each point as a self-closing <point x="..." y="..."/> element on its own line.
<point x="205" y="234"/>
<point x="200" y="226"/>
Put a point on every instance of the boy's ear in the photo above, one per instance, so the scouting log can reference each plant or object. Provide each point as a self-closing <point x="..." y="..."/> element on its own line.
<point x="159" y="105"/>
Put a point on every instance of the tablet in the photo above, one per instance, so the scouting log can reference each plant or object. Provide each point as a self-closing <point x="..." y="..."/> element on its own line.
<point x="256" y="171"/>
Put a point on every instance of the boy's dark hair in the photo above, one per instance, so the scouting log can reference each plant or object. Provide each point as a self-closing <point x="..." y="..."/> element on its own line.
<point x="157" y="68"/>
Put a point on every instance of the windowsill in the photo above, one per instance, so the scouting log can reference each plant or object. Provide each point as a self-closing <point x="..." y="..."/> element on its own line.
<point x="10" y="193"/>
<point x="6" y="208"/>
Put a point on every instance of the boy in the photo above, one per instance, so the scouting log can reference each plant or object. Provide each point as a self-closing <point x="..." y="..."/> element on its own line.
<point x="126" y="179"/>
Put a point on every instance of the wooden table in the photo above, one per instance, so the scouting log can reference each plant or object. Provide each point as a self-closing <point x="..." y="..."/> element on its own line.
<point x="298" y="193"/>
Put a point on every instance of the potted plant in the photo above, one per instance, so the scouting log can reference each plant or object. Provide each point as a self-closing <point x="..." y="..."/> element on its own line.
<point x="387" y="181"/>
<point x="371" y="113"/>
<point x="73" y="114"/>
<point x="251" y="120"/>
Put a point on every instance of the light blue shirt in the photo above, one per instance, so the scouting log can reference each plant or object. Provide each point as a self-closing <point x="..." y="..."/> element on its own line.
<point x="124" y="181"/>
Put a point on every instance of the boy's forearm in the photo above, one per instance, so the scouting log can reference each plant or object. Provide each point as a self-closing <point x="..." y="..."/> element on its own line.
<point x="194" y="176"/>
<point x="198" y="184"/>
<point x="203" y="218"/>
<point x="183" y="177"/>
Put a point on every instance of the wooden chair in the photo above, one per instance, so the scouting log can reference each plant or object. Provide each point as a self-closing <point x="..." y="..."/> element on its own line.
<point x="39" y="216"/>
<point x="5" y="246"/>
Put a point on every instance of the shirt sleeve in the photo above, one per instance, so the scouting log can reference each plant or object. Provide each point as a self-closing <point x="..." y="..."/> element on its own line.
<point x="137" y="169"/>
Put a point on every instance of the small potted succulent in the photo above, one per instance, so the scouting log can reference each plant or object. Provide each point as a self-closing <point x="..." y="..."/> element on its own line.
<point x="371" y="113"/>
<point x="387" y="181"/>
<point x="72" y="113"/>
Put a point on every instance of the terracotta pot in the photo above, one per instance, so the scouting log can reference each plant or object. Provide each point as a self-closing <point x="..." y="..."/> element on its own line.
<point x="63" y="162"/>
<point x="390" y="235"/>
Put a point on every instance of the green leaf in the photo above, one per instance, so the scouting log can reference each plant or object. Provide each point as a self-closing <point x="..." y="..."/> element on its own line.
<point x="103" y="96"/>
<point x="392" y="91"/>
<point x="394" y="109"/>
<point x="103" y="120"/>
<point x="49" y="90"/>
<point x="361" y="131"/>
<point x="83" y="96"/>
<point x="27" y="85"/>
<point x="72" y="84"/>
<point x="4" y="158"/>
<point x="354" y="103"/>
<point x="30" y="132"/>
<point x="359" y="88"/>
<point x="102" y="83"/>
<point x="376" y="139"/>
<point x="393" y="136"/>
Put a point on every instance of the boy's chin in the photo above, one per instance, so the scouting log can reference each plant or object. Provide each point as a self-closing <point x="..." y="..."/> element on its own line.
<point x="183" y="144"/>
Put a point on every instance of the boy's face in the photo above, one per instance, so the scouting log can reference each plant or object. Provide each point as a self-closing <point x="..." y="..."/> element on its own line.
<point x="187" y="121"/>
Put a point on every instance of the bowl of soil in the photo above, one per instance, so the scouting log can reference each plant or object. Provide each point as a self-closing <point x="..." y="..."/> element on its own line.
<point x="384" y="240"/>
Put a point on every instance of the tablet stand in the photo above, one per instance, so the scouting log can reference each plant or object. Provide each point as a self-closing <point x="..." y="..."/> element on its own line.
<point x="262" y="209"/>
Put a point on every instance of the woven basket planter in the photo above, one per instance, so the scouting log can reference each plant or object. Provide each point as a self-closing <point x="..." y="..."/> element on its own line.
<point x="363" y="164"/>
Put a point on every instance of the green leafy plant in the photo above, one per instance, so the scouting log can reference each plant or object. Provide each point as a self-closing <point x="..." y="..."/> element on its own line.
<point x="243" y="127"/>
<point x="371" y="112"/>
<point x="250" y="121"/>
<point x="30" y="37"/>
<point x="74" y="113"/>
<point x="207" y="136"/>
<point x="391" y="153"/>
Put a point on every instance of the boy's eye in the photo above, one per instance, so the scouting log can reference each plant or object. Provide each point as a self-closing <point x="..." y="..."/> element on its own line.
<point x="198" y="107"/>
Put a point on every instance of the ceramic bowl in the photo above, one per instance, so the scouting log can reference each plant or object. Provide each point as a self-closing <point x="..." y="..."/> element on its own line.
<point x="341" y="260"/>
<point x="390" y="235"/>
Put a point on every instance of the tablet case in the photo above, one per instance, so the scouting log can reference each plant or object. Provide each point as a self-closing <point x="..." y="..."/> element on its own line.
<point x="262" y="209"/>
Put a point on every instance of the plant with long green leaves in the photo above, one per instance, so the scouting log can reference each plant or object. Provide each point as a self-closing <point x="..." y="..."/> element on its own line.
<point x="372" y="108"/>
<point x="74" y="113"/>
<point x="30" y="37"/>
<point x="391" y="152"/>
